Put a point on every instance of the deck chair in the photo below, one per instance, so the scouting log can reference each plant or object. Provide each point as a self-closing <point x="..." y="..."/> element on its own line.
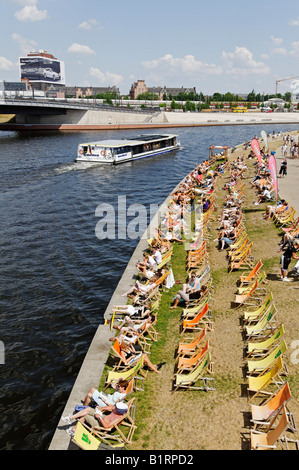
<point x="189" y="363"/>
<point x="189" y="346"/>
<point x="191" y="311"/>
<point x="261" y="415"/>
<point x="255" y="366"/>
<point x="293" y="227"/>
<point x="136" y="371"/>
<point x="248" y="278"/>
<point x="201" y="320"/>
<point x="266" y="325"/>
<point x="195" y="380"/>
<point x="253" y="316"/>
<point x="142" y="298"/>
<point x="248" y="298"/>
<point x="243" y="260"/>
<point x="268" y="440"/>
<point x="261" y="348"/>
<point x="261" y="279"/>
<point x="84" y="438"/>
<point x="257" y="385"/>
<point x="125" y="422"/>
<point x="166" y="258"/>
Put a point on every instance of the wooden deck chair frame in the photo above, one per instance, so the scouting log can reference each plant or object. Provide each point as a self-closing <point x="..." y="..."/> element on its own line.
<point x="261" y="279"/>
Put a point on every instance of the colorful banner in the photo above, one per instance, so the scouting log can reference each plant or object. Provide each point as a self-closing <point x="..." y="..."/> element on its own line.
<point x="273" y="171"/>
<point x="265" y="139"/>
<point x="256" y="148"/>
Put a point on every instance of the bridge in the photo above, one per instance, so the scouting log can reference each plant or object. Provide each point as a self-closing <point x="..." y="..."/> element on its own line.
<point x="65" y="115"/>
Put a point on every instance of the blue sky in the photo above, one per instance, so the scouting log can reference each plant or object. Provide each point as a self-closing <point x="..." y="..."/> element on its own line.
<point x="215" y="46"/>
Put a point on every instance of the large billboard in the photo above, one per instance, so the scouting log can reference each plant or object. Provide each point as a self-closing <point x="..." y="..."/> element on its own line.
<point x="42" y="69"/>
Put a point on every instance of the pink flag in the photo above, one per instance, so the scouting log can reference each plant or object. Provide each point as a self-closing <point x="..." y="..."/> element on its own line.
<point x="273" y="171"/>
<point x="256" y="148"/>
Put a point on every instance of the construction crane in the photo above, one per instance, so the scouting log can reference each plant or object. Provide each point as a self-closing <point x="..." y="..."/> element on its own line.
<point x="283" y="80"/>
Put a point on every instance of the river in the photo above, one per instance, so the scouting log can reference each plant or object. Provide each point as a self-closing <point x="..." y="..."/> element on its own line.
<point x="56" y="276"/>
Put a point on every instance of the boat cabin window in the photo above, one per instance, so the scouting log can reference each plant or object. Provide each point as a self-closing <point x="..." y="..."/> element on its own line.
<point x="120" y="150"/>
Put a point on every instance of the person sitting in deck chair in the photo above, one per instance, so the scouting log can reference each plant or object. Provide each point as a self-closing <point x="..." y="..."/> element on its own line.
<point x="95" y="417"/>
<point x="181" y="295"/>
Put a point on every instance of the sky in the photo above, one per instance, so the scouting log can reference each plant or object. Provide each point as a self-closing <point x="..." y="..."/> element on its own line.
<point x="212" y="45"/>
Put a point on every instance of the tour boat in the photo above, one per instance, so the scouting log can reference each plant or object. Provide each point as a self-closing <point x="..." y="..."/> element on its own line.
<point x="125" y="150"/>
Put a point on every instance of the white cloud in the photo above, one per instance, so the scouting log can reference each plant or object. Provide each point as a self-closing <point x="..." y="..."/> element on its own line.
<point x="6" y="64"/>
<point x="105" y="77"/>
<point x="76" y="48"/>
<point x="279" y="50"/>
<point x="187" y="64"/>
<point x="25" y="45"/>
<point x="276" y="41"/>
<point x="90" y="24"/>
<point x="295" y="49"/>
<point x="30" y="12"/>
<point x="294" y="22"/>
<point x="241" y="62"/>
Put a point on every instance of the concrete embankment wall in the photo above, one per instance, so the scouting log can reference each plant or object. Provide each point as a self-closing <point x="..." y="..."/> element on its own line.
<point x="114" y="120"/>
<point x="93" y="365"/>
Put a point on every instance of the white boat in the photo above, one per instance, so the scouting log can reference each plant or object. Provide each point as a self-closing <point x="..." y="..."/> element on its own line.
<point x="125" y="150"/>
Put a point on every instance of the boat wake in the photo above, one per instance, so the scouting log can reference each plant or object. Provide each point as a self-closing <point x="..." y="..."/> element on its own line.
<point x="75" y="166"/>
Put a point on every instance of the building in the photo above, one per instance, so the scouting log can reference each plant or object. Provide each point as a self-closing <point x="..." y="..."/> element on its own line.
<point x="137" y="88"/>
<point x="86" y="92"/>
<point x="42" y="70"/>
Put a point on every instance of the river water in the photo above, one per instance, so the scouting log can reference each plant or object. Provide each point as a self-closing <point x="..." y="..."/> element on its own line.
<point x="56" y="276"/>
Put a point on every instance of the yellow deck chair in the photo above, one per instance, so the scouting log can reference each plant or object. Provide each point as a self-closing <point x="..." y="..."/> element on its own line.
<point x="256" y="366"/>
<point x="128" y="373"/>
<point x="193" y="379"/>
<point x="268" y="439"/>
<point x="253" y="316"/>
<point x="84" y="438"/>
<point x="260" y="348"/>
<point x="257" y="385"/>
<point x="244" y="260"/>
<point x="264" y="326"/>
<point x="248" y="298"/>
